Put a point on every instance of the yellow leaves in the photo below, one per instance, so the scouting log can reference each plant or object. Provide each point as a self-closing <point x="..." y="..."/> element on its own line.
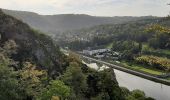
<point x="2" y="57"/>
<point x="73" y="57"/>
<point x="155" y="61"/>
<point x="31" y="73"/>
<point x="158" y="29"/>
<point x="10" y="45"/>
<point x="32" y="78"/>
<point x="55" y="98"/>
<point x="5" y="60"/>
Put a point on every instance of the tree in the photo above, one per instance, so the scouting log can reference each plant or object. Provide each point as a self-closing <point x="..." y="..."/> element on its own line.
<point x="109" y="85"/>
<point x="161" y="36"/>
<point x="103" y="86"/>
<point x="125" y="91"/>
<point x="74" y="78"/>
<point x="32" y="80"/>
<point x="56" y="89"/>
<point x="154" y="43"/>
<point x="9" y="85"/>
<point x="137" y="95"/>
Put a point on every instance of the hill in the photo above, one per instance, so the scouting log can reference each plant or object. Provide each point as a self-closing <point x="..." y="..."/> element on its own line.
<point x="33" y="68"/>
<point x="56" y="24"/>
<point x="33" y="46"/>
<point x="105" y="34"/>
<point x="142" y="43"/>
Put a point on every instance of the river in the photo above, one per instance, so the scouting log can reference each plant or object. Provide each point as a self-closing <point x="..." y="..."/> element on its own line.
<point x="151" y="89"/>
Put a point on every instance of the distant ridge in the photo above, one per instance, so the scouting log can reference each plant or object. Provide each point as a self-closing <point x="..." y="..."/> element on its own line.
<point x="56" y="24"/>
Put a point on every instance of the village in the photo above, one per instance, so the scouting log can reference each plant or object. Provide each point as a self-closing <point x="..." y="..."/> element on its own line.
<point x="102" y="54"/>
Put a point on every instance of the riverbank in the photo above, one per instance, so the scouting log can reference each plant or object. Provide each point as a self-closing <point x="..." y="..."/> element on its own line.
<point x="140" y="74"/>
<point x="142" y="69"/>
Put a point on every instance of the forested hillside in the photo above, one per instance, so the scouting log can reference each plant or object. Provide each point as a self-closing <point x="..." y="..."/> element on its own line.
<point x="57" y="24"/>
<point x="105" y="34"/>
<point x="145" y="42"/>
<point x="33" y="68"/>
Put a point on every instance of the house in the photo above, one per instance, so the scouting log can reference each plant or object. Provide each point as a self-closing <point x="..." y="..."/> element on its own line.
<point x="87" y="52"/>
<point x="99" y="56"/>
<point x="92" y="52"/>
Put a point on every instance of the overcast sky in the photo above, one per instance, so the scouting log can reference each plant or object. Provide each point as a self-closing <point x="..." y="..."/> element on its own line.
<point x="91" y="7"/>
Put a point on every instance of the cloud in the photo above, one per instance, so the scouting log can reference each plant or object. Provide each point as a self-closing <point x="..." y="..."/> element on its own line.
<point x="79" y="3"/>
<point x="93" y="7"/>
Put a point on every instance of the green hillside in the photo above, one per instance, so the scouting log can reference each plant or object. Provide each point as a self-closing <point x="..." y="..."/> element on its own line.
<point x="132" y="40"/>
<point x="33" y="68"/>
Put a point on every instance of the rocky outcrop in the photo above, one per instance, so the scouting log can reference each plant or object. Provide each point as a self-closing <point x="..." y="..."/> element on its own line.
<point x="32" y="45"/>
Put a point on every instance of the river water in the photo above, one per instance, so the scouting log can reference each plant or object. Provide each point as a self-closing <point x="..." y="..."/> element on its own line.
<point x="151" y="89"/>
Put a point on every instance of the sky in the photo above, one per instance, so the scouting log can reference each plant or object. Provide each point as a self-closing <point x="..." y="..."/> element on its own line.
<point x="91" y="7"/>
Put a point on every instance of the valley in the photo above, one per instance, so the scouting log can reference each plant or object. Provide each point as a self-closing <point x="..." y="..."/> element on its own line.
<point x="127" y="57"/>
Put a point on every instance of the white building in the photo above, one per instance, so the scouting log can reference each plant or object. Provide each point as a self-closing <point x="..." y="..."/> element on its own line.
<point x="92" y="52"/>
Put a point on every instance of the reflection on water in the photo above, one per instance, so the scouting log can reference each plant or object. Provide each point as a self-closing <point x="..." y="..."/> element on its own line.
<point x="151" y="89"/>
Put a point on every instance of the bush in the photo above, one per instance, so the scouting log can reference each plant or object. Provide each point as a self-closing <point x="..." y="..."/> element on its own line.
<point x="56" y="89"/>
<point x="154" y="61"/>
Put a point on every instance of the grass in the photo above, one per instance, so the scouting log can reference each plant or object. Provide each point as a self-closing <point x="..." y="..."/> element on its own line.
<point x="109" y="46"/>
<point x="160" y="51"/>
<point x="165" y="52"/>
<point x="143" y="69"/>
<point x="139" y="68"/>
<point x="168" y="78"/>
